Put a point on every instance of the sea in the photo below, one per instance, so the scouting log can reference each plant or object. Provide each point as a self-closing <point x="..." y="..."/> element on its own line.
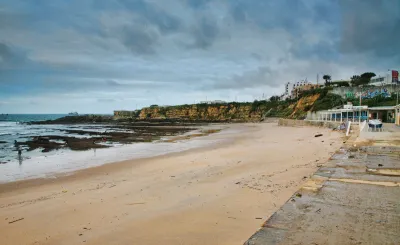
<point x="28" y="117"/>
<point x="12" y="128"/>
<point x="38" y="164"/>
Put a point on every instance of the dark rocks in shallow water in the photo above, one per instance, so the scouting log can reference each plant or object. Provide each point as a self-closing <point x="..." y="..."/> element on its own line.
<point x="46" y="145"/>
<point x="124" y="132"/>
<point x="3" y="142"/>
<point x="130" y="134"/>
<point x="109" y="119"/>
<point x="76" y="144"/>
<point x="79" y="144"/>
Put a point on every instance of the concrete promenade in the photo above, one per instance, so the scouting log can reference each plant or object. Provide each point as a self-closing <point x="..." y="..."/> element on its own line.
<point x="354" y="198"/>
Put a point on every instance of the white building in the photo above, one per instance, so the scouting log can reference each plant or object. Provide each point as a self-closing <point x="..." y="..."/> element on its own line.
<point x="288" y="91"/>
<point x="391" y="77"/>
<point x="213" y="102"/>
<point x="289" y="88"/>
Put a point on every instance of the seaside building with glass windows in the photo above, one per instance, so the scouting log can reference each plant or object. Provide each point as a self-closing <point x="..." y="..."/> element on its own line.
<point x="357" y="114"/>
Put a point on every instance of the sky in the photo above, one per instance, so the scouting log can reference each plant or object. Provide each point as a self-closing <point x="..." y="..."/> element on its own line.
<point x="96" y="56"/>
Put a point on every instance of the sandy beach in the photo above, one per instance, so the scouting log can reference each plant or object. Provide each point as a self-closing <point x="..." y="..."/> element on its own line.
<point x="218" y="194"/>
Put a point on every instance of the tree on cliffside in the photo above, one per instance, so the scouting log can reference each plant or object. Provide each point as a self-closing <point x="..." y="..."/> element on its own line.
<point x="274" y="98"/>
<point x="327" y="79"/>
<point x="354" y="80"/>
<point x="365" y="78"/>
<point x="368" y="75"/>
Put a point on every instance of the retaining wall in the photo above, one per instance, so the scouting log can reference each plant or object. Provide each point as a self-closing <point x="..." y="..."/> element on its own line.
<point x="367" y="92"/>
<point x="294" y="123"/>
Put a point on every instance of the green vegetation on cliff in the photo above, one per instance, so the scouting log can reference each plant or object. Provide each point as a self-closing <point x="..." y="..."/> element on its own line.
<point x="379" y="100"/>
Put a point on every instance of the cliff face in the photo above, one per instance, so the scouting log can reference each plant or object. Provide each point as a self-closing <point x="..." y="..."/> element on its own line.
<point x="222" y="112"/>
<point x="240" y="112"/>
<point x="303" y="105"/>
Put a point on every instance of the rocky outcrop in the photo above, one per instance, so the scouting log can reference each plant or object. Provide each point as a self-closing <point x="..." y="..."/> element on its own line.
<point x="78" y="119"/>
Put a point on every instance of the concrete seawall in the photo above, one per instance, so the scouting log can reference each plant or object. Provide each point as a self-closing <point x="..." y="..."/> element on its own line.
<point x="354" y="130"/>
<point x="294" y="123"/>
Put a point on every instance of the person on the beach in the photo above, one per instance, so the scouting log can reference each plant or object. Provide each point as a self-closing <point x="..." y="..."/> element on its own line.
<point x="20" y="156"/>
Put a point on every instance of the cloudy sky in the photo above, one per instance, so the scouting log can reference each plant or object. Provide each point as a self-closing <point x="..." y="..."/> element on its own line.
<point x="94" y="56"/>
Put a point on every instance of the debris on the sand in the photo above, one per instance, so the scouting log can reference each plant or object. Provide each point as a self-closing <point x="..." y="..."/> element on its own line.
<point x="318" y="135"/>
<point x="136" y="203"/>
<point x="16" y="220"/>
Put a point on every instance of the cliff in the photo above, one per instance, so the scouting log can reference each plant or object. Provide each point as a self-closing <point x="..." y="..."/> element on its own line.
<point x="235" y="112"/>
<point x="204" y="112"/>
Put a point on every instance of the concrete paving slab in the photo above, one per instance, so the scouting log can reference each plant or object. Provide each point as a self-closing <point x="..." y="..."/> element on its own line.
<point x="353" y="199"/>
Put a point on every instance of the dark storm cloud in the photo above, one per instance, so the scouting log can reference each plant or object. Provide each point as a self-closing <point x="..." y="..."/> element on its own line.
<point x="5" y="53"/>
<point x="10" y="57"/>
<point x="205" y="33"/>
<point x="113" y="83"/>
<point x="371" y="26"/>
<point x="106" y="100"/>
<point x="196" y="4"/>
<point x="322" y="50"/>
<point x="154" y="15"/>
<point x="262" y="76"/>
<point x="296" y="17"/>
<point x="139" y="34"/>
<point x="9" y="19"/>
<point x="270" y="14"/>
<point x="139" y="39"/>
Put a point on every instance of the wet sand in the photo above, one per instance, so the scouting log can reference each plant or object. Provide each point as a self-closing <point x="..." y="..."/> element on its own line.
<point x="209" y="195"/>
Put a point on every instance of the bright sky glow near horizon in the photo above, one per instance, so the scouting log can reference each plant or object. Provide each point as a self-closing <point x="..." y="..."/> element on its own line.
<point x="96" y="56"/>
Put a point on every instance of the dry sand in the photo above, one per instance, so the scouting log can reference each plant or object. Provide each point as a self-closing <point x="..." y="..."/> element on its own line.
<point x="215" y="195"/>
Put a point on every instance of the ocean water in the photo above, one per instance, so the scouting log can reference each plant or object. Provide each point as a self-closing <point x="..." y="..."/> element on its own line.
<point x="28" y="117"/>
<point x="13" y="128"/>
<point x="36" y="164"/>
